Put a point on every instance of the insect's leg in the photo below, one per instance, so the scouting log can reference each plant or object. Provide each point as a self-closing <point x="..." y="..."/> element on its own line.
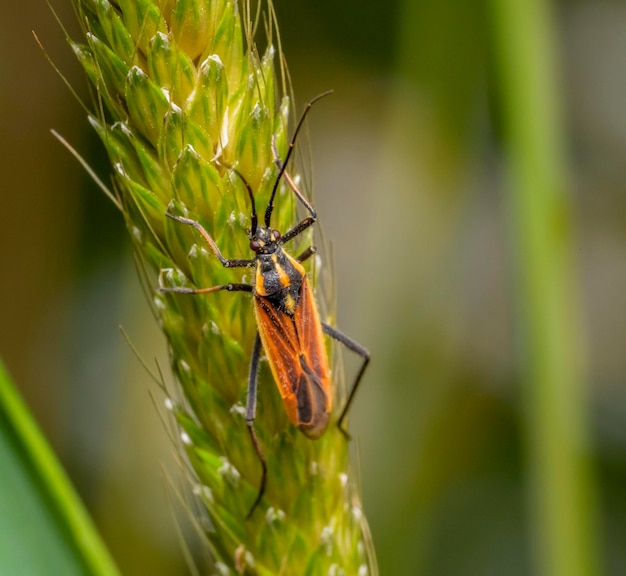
<point x="184" y="290"/>
<point x="297" y="229"/>
<point x="251" y="415"/>
<point x="357" y="349"/>
<point x="306" y="254"/>
<point x="226" y="262"/>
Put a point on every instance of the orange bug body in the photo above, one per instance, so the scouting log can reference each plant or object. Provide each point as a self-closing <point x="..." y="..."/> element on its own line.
<point x="291" y="333"/>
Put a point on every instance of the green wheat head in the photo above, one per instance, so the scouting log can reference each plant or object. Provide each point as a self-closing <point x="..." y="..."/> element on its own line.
<point x="181" y="98"/>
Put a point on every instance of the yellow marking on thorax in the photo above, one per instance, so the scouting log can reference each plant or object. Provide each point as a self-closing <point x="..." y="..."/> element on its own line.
<point x="259" y="285"/>
<point x="283" y="277"/>
<point x="290" y="304"/>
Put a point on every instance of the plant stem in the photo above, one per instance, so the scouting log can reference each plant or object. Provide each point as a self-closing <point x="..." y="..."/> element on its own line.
<point x="551" y="341"/>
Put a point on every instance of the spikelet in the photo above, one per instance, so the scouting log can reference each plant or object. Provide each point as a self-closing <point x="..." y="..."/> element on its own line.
<point x="182" y="97"/>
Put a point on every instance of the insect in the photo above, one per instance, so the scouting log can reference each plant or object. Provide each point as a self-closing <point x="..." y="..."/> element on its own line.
<point x="290" y="330"/>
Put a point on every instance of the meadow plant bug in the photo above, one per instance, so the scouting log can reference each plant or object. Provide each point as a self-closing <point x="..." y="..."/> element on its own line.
<point x="290" y="330"/>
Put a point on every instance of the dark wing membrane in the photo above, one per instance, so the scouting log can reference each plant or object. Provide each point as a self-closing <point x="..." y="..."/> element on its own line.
<point x="313" y="402"/>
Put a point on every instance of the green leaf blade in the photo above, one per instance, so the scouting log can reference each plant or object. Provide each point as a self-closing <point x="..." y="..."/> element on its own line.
<point x="44" y="527"/>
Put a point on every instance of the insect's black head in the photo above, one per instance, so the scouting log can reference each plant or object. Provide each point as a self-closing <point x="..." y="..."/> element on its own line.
<point x="264" y="240"/>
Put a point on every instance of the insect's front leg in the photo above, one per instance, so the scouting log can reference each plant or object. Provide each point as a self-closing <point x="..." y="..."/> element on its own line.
<point x="226" y="262"/>
<point x="363" y="353"/>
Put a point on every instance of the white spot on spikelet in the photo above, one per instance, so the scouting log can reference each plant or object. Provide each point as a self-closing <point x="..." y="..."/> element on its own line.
<point x="222" y="569"/>
<point x="169" y="274"/>
<point x="363" y="570"/>
<point x="343" y="479"/>
<point x="238" y="408"/>
<point x="137" y="234"/>
<point x="249" y="559"/>
<point x="158" y="303"/>
<point x="267" y="173"/>
<point x="192" y="151"/>
<point x="169" y="405"/>
<point x="326" y="538"/>
<point x="318" y="261"/>
<point x="173" y="106"/>
<point x="184" y="367"/>
<point x="204" y="492"/>
<point x="125" y="128"/>
<point x="257" y="112"/>
<point x="120" y="170"/>
<point x="274" y="515"/>
<point x="223" y="134"/>
<point x="215" y="58"/>
<point x="229" y="472"/>
<point x="186" y="440"/>
<point x="314" y="468"/>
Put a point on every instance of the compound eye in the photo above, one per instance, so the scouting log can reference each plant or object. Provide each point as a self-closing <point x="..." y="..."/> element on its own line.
<point x="275" y="235"/>
<point x="255" y="245"/>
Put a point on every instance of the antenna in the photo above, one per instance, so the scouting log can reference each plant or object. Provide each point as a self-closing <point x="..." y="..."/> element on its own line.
<point x="270" y="206"/>
<point x="253" y="216"/>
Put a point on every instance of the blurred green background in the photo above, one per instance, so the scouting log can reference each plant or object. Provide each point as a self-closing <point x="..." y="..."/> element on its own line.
<point x="413" y="190"/>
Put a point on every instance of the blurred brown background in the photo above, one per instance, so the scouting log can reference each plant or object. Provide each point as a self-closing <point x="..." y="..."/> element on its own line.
<point x="408" y="184"/>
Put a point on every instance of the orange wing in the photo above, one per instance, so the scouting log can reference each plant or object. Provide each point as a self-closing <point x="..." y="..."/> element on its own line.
<point x="297" y="357"/>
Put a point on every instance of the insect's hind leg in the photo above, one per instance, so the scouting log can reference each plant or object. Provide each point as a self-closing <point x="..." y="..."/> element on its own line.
<point x="253" y="377"/>
<point x="363" y="353"/>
